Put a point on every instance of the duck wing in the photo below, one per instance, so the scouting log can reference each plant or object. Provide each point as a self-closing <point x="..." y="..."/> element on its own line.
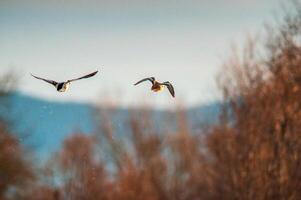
<point x="170" y="88"/>
<point x="151" y="79"/>
<point x="54" y="83"/>
<point x="86" y="76"/>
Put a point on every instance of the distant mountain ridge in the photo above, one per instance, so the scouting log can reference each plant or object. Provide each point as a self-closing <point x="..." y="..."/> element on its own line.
<point x="43" y="124"/>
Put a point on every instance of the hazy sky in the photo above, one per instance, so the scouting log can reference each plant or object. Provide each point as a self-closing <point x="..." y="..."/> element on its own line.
<point x="181" y="41"/>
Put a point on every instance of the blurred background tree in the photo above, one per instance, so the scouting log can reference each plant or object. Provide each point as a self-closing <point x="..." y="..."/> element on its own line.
<point x="15" y="169"/>
<point x="256" y="152"/>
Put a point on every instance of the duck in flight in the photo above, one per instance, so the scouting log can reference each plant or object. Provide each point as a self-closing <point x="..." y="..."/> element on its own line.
<point x="157" y="86"/>
<point x="64" y="86"/>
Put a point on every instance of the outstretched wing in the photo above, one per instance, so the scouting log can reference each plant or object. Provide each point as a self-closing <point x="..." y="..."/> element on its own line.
<point x="86" y="76"/>
<point x="151" y="79"/>
<point x="46" y="80"/>
<point x="170" y="88"/>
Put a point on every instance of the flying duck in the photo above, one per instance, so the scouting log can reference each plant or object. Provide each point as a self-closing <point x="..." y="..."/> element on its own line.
<point x="157" y="86"/>
<point x="64" y="86"/>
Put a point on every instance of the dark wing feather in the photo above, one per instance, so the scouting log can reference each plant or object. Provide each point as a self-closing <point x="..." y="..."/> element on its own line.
<point x="170" y="88"/>
<point x="86" y="76"/>
<point x="46" y="80"/>
<point x="151" y="79"/>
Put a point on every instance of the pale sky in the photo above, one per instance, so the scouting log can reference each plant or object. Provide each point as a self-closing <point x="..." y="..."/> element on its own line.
<point x="180" y="41"/>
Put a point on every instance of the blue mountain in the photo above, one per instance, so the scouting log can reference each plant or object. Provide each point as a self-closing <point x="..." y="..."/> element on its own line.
<point x="42" y="125"/>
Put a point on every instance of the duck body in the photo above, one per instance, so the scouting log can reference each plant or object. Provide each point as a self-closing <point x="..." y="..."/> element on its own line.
<point x="157" y="87"/>
<point x="63" y="86"/>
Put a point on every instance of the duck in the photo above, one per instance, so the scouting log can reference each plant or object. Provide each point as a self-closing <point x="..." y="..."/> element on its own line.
<point x="64" y="86"/>
<point x="158" y="86"/>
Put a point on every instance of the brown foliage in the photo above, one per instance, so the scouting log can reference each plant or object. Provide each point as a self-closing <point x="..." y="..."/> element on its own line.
<point x="257" y="152"/>
<point x="83" y="176"/>
<point x="39" y="192"/>
<point x="15" y="171"/>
